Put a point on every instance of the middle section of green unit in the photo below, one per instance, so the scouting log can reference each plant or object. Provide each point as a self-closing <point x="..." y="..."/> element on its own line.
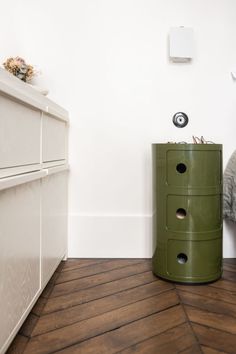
<point x="193" y="213"/>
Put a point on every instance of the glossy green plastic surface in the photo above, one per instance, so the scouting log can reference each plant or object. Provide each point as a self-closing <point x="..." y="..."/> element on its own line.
<point x="187" y="216"/>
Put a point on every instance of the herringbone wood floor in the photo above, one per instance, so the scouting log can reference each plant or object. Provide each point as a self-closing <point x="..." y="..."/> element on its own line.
<point x="118" y="306"/>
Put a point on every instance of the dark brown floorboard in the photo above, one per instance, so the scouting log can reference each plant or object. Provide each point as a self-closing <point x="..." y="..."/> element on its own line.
<point x="18" y="345"/>
<point x="127" y="268"/>
<point x="128" y="335"/>
<point x="82" y="312"/>
<point x="229" y="261"/>
<point x="96" y="292"/>
<point x="207" y="350"/>
<point x="171" y="341"/>
<point x="105" y="306"/>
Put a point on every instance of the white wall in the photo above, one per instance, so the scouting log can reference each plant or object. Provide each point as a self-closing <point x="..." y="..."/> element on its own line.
<point x="106" y="61"/>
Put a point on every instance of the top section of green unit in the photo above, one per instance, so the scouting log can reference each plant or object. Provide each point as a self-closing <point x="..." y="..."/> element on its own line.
<point x="189" y="165"/>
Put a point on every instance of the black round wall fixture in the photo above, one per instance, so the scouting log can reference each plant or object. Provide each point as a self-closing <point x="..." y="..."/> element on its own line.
<point x="180" y="119"/>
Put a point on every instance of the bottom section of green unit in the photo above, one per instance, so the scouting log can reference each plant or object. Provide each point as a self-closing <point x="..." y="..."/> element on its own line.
<point x="189" y="261"/>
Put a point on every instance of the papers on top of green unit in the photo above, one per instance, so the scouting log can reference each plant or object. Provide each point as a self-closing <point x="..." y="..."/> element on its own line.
<point x="195" y="140"/>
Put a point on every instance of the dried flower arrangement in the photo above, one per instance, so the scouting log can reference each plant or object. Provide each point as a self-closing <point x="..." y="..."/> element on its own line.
<point x="18" y="67"/>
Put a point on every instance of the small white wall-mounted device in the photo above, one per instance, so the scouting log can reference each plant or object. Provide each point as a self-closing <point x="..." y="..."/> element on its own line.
<point x="181" y="44"/>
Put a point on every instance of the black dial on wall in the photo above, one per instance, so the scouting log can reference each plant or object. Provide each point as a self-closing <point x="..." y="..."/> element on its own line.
<point x="180" y="119"/>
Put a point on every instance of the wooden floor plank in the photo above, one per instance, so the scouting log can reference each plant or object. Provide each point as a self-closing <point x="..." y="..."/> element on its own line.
<point x="229" y="261"/>
<point x="39" y="306"/>
<point x="194" y="349"/>
<point x="172" y="341"/>
<point x="128" y="335"/>
<point x="18" y="345"/>
<point x="81" y="312"/>
<point x="47" y="291"/>
<point x="208" y="304"/>
<point x="219" y="340"/>
<point x="92" y="270"/>
<point x="224" y="284"/>
<point x="230" y="267"/>
<point x="54" y="277"/>
<point x="99" y="291"/>
<point x="208" y="350"/>
<point x="95" y="326"/>
<point x="88" y="282"/>
<point x="210" y="319"/>
<point x="229" y="275"/>
<point x="29" y="324"/>
<point x="211" y="292"/>
<point x="75" y="263"/>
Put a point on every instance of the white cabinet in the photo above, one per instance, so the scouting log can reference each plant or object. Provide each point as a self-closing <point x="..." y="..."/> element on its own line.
<point x="19" y="254"/>
<point x="19" y="134"/>
<point x="54" y="220"/>
<point x="33" y="198"/>
<point x="54" y="134"/>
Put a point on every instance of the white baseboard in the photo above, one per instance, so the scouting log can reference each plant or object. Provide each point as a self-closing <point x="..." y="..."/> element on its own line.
<point x="123" y="236"/>
<point x="110" y="236"/>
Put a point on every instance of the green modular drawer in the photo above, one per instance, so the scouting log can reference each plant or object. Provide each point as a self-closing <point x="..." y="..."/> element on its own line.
<point x="193" y="213"/>
<point x="187" y="218"/>
<point x="193" y="168"/>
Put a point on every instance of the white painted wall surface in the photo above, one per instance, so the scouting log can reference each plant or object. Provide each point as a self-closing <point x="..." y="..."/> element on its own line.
<point x="106" y="61"/>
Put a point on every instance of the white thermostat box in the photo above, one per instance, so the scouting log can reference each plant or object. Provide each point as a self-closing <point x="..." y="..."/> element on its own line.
<point x="181" y="43"/>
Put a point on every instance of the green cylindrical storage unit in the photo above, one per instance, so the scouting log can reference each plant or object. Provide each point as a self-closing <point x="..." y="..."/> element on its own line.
<point x="187" y="216"/>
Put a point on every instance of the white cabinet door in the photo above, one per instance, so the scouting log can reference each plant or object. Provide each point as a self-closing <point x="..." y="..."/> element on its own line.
<point x="54" y="222"/>
<point x="19" y="134"/>
<point x="19" y="255"/>
<point x="54" y="139"/>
